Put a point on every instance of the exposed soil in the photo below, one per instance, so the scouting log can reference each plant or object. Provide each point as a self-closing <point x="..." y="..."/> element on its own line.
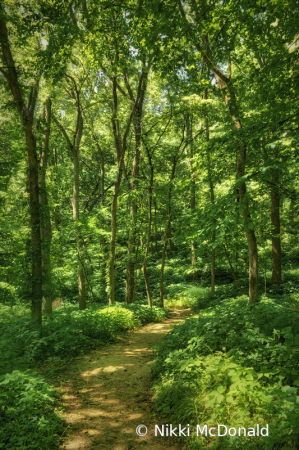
<point x="106" y="394"/>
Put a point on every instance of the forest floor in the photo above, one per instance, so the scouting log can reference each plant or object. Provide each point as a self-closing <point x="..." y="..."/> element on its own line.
<point x="106" y="394"/>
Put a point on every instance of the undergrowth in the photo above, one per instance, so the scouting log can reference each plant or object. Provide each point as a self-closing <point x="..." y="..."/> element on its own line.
<point x="233" y="364"/>
<point x="27" y="401"/>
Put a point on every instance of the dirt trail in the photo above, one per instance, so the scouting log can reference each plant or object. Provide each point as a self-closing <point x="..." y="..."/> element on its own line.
<point x="107" y="394"/>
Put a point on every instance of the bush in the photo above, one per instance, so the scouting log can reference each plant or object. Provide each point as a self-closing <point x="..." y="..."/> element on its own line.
<point x="234" y="364"/>
<point x="28" y="420"/>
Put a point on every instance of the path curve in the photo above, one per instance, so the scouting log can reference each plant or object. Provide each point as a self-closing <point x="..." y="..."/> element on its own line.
<point x="107" y="394"/>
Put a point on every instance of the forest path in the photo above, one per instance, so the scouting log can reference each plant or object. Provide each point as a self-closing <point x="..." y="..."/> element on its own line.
<point x="107" y="393"/>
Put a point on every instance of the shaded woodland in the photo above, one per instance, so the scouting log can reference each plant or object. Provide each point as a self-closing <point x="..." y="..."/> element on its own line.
<point x="148" y="159"/>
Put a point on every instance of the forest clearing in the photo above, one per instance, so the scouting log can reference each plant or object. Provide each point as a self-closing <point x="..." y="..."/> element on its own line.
<point x="149" y="255"/>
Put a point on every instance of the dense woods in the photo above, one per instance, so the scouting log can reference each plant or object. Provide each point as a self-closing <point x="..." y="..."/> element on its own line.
<point x="148" y="160"/>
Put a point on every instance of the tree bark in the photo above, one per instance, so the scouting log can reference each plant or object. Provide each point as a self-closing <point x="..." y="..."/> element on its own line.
<point x="120" y="146"/>
<point x="167" y="232"/>
<point x="162" y="272"/>
<point x="275" y="224"/>
<point x="230" y="100"/>
<point x="213" y="239"/>
<point x="130" y="276"/>
<point x="148" y="239"/>
<point x="193" y="187"/>
<point x="291" y="221"/>
<point x="26" y="114"/>
<point x="46" y="230"/>
<point x="100" y="151"/>
<point x="79" y="239"/>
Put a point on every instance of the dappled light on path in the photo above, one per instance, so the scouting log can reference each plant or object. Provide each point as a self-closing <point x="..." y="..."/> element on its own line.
<point x="107" y="394"/>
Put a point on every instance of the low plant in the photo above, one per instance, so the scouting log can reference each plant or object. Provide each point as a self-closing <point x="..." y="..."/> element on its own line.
<point x="27" y="402"/>
<point x="27" y="413"/>
<point x="236" y="365"/>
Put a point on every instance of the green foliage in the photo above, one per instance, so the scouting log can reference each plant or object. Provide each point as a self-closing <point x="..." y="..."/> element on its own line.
<point x="185" y="297"/>
<point x="27" y="402"/>
<point x="233" y="364"/>
<point x="67" y="332"/>
<point x="27" y="417"/>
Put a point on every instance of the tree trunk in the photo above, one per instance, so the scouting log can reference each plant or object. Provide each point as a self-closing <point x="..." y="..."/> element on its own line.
<point x="226" y="87"/>
<point x="79" y="240"/>
<point x="213" y="264"/>
<point x="113" y="237"/>
<point x="162" y="272"/>
<point x="46" y="231"/>
<point x="276" y="242"/>
<point x="193" y="187"/>
<point x="212" y="201"/>
<point x="100" y="151"/>
<point x="250" y="234"/>
<point x="27" y="114"/>
<point x="144" y="267"/>
<point x="120" y="146"/>
<point x="230" y="100"/>
<point x="36" y="309"/>
<point x="167" y="233"/>
<point x="292" y="213"/>
<point x="74" y="147"/>
<point x="104" y="260"/>
<point x="130" y="276"/>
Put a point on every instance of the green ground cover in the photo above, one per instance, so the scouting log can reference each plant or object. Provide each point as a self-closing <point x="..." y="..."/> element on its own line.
<point x="233" y="364"/>
<point x="27" y="400"/>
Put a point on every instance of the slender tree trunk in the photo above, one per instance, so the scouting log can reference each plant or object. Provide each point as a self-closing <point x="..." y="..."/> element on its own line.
<point x="27" y="114"/>
<point x="212" y="201"/>
<point x="291" y="221"/>
<point x="232" y="269"/>
<point x="167" y="232"/>
<point x="79" y="240"/>
<point x="74" y="146"/>
<point x="104" y="261"/>
<point x="120" y="146"/>
<point x="169" y="236"/>
<point x="213" y="264"/>
<point x="193" y="187"/>
<point x="100" y="151"/>
<point x="148" y="239"/>
<point x="292" y="213"/>
<point x="275" y="224"/>
<point x="130" y="276"/>
<point x="156" y="231"/>
<point x="162" y="272"/>
<point x="36" y="309"/>
<point x="226" y="87"/>
<point x="230" y="100"/>
<point x="113" y="237"/>
<point x="46" y="230"/>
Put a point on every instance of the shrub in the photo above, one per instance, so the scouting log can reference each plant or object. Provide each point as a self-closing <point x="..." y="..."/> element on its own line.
<point x="236" y="365"/>
<point x="28" y="420"/>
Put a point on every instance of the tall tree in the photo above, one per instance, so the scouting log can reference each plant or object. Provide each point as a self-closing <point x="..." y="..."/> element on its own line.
<point x="130" y="281"/>
<point x="25" y="105"/>
<point x="189" y="152"/>
<point x="45" y="229"/>
<point x="120" y="141"/>
<point x="74" y="145"/>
